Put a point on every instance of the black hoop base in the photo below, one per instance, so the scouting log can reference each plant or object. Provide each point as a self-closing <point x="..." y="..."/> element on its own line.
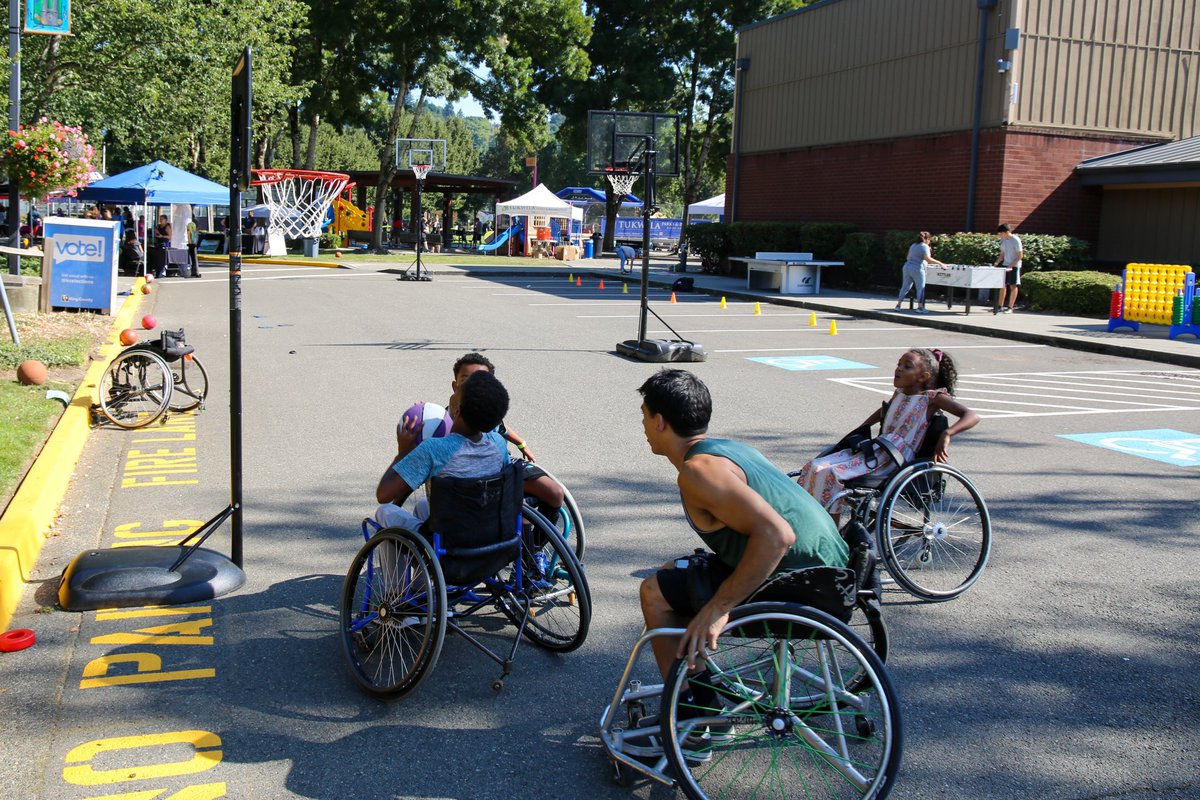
<point x="662" y="351"/>
<point x="145" y="576"/>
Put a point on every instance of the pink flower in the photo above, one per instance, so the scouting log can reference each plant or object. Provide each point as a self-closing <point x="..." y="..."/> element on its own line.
<point x="20" y="143"/>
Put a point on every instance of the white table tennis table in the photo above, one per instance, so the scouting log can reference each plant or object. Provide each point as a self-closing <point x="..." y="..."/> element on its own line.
<point x="788" y="273"/>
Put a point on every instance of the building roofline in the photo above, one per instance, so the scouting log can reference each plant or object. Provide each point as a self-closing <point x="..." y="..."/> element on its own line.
<point x="792" y="13"/>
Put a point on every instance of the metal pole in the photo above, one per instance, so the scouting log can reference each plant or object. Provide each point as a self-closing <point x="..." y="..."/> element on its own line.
<point x="648" y="169"/>
<point x="14" y="119"/>
<point x="743" y="64"/>
<point x="973" y="169"/>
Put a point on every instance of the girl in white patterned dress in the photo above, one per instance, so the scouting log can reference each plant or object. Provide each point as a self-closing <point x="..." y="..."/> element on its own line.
<point x="924" y="381"/>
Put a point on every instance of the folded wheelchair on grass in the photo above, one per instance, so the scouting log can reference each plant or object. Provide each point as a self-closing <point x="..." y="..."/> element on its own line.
<point x="795" y="703"/>
<point x="927" y="521"/>
<point x="483" y="551"/>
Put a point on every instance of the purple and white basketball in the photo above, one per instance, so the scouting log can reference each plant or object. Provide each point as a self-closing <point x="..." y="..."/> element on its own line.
<point x="432" y="420"/>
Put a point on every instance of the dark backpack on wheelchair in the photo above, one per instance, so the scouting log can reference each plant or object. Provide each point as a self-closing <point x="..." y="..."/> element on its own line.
<point x="476" y="521"/>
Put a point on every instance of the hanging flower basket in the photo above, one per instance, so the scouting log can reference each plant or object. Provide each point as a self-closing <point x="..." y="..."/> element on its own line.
<point x="46" y="157"/>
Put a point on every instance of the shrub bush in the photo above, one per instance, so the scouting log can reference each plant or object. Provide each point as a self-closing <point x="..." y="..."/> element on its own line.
<point x="865" y="264"/>
<point x="1084" y="292"/>
<point x="1042" y="251"/>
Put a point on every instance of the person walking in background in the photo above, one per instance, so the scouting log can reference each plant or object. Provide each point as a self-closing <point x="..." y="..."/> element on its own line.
<point x="919" y="255"/>
<point x="1011" y="254"/>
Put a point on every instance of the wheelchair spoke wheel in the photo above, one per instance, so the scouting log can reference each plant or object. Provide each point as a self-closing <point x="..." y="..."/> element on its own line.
<point x="553" y="589"/>
<point x="935" y="532"/>
<point x="135" y="389"/>
<point x="393" y="613"/>
<point x="570" y="521"/>
<point x="191" y="383"/>
<point x="772" y="715"/>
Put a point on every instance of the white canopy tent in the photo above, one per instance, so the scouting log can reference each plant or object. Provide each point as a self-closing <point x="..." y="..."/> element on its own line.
<point x="713" y="205"/>
<point x="541" y="202"/>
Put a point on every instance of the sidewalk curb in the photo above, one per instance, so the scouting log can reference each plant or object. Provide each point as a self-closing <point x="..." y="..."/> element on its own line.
<point x="32" y="512"/>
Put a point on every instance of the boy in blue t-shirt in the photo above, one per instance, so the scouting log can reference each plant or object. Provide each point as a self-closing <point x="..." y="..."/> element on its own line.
<point x="466" y="452"/>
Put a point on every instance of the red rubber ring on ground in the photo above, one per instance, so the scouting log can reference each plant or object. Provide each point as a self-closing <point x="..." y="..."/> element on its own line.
<point x="15" y="640"/>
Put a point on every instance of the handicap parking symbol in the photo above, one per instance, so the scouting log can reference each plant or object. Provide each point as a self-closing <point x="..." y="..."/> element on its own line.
<point x="809" y="363"/>
<point x="1161" y="444"/>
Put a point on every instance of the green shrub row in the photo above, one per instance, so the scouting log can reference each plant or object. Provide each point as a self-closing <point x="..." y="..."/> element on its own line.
<point x="59" y="353"/>
<point x="1086" y="293"/>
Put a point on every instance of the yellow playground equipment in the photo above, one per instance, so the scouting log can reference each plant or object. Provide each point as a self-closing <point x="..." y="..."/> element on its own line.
<point x="348" y="217"/>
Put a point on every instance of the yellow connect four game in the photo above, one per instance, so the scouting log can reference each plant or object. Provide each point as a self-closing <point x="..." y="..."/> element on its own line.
<point x="1150" y="289"/>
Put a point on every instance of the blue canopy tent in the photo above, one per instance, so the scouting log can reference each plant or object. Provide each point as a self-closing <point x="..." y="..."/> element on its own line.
<point x="585" y="195"/>
<point x="157" y="183"/>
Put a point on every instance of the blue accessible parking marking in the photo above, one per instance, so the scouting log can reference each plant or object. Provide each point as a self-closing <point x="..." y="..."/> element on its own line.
<point x="804" y="363"/>
<point x="1161" y="444"/>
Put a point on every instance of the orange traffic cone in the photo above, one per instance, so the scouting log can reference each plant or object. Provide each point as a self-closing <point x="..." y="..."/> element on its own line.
<point x="602" y="284"/>
<point x="673" y="300"/>
<point x="579" y="281"/>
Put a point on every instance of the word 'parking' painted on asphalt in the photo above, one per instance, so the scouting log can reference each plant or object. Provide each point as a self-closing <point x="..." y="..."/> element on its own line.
<point x="809" y="363"/>
<point x="1161" y="444"/>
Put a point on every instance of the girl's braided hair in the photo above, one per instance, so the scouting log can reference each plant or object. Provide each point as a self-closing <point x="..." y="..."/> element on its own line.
<point x="941" y="366"/>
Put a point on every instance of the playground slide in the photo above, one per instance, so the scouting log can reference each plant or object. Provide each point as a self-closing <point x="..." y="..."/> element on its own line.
<point x="501" y="240"/>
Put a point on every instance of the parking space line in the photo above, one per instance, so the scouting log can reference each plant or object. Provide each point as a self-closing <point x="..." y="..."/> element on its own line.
<point x="838" y="348"/>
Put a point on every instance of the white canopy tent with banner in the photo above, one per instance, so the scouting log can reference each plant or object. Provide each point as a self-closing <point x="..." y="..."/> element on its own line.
<point x="714" y="205"/>
<point x="541" y="202"/>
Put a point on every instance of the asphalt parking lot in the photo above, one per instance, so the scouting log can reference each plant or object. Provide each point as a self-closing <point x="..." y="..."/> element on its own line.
<point x="1066" y="672"/>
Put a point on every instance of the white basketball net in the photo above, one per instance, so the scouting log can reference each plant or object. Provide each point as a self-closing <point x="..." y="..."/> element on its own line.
<point x="299" y="203"/>
<point x="622" y="182"/>
<point x="421" y="170"/>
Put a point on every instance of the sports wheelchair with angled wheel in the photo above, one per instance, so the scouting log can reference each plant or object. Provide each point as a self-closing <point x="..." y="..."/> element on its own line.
<point x="798" y="704"/>
<point x="927" y="521"/>
<point x="570" y="520"/>
<point x="481" y="552"/>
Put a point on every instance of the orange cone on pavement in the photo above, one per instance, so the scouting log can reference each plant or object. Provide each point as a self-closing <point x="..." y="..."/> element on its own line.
<point x="602" y="284"/>
<point x="673" y="300"/>
<point x="579" y="281"/>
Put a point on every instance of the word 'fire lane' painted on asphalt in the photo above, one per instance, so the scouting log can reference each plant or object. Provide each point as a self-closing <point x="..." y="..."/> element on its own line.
<point x="1048" y="394"/>
<point x="160" y="456"/>
<point x="152" y="649"/>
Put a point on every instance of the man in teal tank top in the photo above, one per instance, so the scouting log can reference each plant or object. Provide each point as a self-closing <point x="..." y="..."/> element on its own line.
<point x="756" y="519"/>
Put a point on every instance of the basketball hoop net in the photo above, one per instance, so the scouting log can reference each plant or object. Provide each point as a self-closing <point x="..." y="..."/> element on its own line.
<point x="421" y="171"/>
<point x="622" y="182"/>
<point x="298" y="199"/>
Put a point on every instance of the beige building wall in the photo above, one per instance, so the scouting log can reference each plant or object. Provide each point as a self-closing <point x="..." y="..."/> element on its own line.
<point x="1119" y="66"/>
<point x="861" y="70"/>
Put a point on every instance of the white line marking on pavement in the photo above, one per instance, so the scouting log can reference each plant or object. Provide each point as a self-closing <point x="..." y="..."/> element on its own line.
<point x="836" y="348"/>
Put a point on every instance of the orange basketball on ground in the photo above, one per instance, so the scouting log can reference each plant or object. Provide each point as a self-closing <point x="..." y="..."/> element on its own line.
<point x="129" y="336"/>
<point x="337" y="254"/>
<point x="149" y="322"/>
<point x="31" y="373"/>
<point x="146" y="288"/>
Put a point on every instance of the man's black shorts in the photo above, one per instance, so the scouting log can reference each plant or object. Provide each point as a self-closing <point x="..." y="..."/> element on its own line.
<point x="1012" y="277"/>
<point x="687" y="595"/>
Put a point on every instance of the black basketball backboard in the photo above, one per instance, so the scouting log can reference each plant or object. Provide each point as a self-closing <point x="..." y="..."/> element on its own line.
<point x="617" y="139"/>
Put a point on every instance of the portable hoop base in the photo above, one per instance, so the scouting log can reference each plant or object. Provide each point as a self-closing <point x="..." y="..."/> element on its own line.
<point x="127" y="577"/>
<point x="662" y="351"/>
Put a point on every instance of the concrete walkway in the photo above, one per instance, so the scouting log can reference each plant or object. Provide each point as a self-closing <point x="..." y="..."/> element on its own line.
<point x="1058" y="330"/>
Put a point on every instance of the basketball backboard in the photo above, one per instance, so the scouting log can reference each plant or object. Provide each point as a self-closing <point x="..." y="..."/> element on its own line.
<point x="421" y="151"/>
<point x="617" y="139"/>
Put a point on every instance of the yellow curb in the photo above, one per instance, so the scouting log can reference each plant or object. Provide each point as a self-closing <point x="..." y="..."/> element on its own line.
<point x="287" y="262"/>
<point x="33" y="509"/>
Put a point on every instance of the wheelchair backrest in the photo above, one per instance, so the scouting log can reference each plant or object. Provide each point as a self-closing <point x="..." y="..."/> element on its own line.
<point x="477" y="520"/>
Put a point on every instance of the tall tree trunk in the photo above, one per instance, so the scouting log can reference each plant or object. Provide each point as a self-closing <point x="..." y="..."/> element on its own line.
<point x="311" y="159"/>
<point x="294" y="133"/>
<point x="689" y="170"/>
<point x="387" y="167"/>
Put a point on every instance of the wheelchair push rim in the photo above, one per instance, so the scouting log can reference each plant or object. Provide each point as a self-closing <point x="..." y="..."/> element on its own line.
<point x="393" y="613"/>
<point x="934" y="531"/>
<point x="552" y="586"/>
<point x="802" y="708"/>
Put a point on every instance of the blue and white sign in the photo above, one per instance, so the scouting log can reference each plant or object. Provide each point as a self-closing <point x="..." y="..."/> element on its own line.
<point x="1161" y="444"/>
<point x="83" y="272"/>
<point x="630" y="228"/>
<point x="809" y="363"/>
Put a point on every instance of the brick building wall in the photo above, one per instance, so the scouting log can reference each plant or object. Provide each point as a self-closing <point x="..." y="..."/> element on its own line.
<point x="1025" y="178"/>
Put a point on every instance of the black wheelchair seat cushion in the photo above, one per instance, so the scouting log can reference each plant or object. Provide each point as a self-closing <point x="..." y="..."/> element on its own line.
<point x="477" y="520"/>
<point x="833" y="590"/>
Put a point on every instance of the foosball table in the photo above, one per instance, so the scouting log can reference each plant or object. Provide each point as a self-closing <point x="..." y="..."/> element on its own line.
<point x="963" y="276"/>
